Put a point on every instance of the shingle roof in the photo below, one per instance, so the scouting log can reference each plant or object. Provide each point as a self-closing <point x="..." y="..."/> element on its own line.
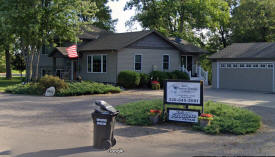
<point x="62" y="50"/>
<point x="91" y="32"/>
<point x="116" y="41"/>
<point x="261" y="50"/>
<point x="113" y="41"/>
<point x="190" y="48"/>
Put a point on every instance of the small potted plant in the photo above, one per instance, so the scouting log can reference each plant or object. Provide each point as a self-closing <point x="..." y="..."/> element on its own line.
<point x="155" y="85"/>
<point x="205" y="119"/>
<point x="155" y="116"/>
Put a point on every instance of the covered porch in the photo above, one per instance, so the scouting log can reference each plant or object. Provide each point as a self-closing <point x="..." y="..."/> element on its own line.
<point x="62" y="66"/>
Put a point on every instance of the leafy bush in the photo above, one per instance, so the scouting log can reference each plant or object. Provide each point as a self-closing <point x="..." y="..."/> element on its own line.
<point x="227" y="119"/>
<point x="48" y="81"/>
<point x="129" y="79"/>
<point x="144" y="80"/>
<point x="156" y="86"/>
<point x="86" y="87"/>
<point x="206" y="64"/>
<point x="29" y="89"/>
<point x="137" y="113"/>
<point x="180" y="75"/>
<point x="73" y="89"/>
<point x="161" y="76"/>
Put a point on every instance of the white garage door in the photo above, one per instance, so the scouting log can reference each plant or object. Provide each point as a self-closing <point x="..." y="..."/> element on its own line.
<point x="258" y="76"/>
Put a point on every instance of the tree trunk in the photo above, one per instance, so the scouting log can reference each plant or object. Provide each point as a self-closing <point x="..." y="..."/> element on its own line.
<point x="28" y="55"/>
<point x="37" y="65"/>
<point x="31" y="65"/>
<point x="223" y="38"/>
<point x="8" y="64"/>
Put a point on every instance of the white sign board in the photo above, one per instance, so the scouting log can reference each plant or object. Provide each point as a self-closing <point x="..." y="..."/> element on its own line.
<point x="183" y="93"/>
<point x="183" y="115"/>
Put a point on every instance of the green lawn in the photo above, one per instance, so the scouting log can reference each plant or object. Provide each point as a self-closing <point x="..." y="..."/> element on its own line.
<point x="227" y="119"/>
<point x="4" y="83"/>
<point x="18" y="72"/>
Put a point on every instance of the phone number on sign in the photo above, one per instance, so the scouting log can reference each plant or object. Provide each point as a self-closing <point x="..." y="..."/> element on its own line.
<point x="180" y="100"/>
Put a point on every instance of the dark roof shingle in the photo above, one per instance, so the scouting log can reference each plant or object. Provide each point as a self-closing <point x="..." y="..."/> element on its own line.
<point x="261" y="50"/>
<point x="113" y="41"/>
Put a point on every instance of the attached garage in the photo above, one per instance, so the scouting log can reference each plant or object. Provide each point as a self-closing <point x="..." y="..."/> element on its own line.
<point x="244" y="66"/>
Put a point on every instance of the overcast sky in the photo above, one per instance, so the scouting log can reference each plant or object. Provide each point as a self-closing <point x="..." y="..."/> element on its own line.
<point x="122" y="16"/>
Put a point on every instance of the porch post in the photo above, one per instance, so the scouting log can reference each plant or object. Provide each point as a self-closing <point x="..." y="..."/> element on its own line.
<point x="54" y="66"/>
<point x="72" y="70"/>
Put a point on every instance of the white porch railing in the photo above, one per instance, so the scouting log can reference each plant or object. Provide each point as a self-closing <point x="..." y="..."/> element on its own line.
<point x="185" y="70"/>
<point x="201" y="74"/>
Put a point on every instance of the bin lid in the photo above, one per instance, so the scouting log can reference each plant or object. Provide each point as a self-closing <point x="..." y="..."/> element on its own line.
<point x="105" y="106"/>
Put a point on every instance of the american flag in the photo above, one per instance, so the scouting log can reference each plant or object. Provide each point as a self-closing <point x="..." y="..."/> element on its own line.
<point x="72" y="52"/>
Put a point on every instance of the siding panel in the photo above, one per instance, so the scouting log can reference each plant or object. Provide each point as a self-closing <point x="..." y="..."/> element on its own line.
<point x="151" y="41"/>
<point x="150" y="58"/>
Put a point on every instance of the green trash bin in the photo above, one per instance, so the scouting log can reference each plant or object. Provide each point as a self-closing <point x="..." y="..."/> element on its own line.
<point x="104" y="122"/>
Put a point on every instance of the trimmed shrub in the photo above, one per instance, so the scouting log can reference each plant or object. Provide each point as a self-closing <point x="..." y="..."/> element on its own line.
<point x="129" y="79"/>
<point x="144" y="80"/>
<point x="29" y="89"/>
<point x="86" y="88"/>
<point x="180" y="75"/>
<point x="156" y="86"/>
<point x="161" y="76"/>
<point x="73" y="89"/>
<point x="48" y="81"/>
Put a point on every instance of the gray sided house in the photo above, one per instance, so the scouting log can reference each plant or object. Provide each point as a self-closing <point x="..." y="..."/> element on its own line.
<point x="245" y="66"/>
<point x="102" y="55"/>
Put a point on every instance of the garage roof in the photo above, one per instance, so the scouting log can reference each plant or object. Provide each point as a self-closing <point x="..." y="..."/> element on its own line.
<point x="260" y="50"/>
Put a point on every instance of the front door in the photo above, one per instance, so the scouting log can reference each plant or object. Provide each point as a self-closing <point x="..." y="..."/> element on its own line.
<point x="186" y="61"/>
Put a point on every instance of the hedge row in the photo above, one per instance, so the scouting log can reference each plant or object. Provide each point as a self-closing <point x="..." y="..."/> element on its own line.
<point x="62" y="88"/>
<point x="132" y="79"/>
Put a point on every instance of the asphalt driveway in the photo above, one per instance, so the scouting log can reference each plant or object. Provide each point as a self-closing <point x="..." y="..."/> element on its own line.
<point x="33" y="126"/>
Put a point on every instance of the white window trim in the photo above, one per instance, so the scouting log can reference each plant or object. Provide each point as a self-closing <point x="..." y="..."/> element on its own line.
<point x="140" y="62"/>
<point x="92" y="63"/>
<point x="168" y="61"/>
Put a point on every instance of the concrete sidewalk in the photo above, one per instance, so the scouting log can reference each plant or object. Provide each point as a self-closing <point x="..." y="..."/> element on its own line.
<point x="34" y="126"/>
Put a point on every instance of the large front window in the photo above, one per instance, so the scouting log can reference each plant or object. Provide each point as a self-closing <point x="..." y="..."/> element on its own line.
<point x="97" y="63"/>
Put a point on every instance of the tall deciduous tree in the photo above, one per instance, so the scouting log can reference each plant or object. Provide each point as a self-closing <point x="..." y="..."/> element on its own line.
<point x="254" y="21"/>
<point x="179" y="17"/>
<point x="39" y="22"/>
<point x="102" y="18"/>
<point x="7" y="39"/>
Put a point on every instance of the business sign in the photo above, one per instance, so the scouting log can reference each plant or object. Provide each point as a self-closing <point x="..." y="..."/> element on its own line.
<point x="181" y="115"/>
<point x="183" y="92"/>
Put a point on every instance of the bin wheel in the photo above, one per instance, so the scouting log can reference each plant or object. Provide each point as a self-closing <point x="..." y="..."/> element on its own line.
<point x="113" y="141"/>
<point x="107" y="144"/>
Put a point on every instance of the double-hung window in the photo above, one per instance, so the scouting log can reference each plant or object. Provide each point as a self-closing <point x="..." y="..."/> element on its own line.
<point x="137" y="62"/>
<point x="97" y="63"/>
<point x="165" y="62"/>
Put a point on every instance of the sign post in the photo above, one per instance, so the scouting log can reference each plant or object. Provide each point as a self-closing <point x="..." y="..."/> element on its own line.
<point x="181" y="92"/>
